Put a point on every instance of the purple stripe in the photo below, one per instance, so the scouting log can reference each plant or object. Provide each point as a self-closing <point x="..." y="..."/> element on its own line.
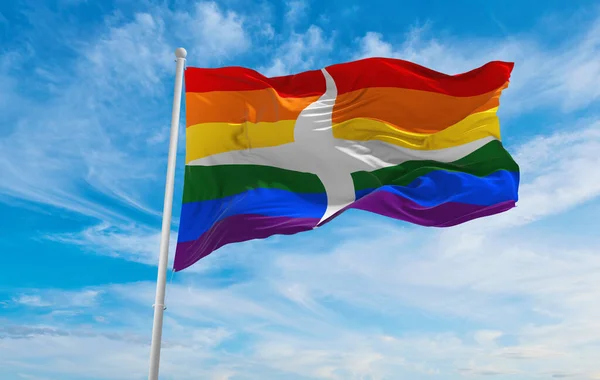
<point x="238" y="228"/>
<point x="444" y="215"/>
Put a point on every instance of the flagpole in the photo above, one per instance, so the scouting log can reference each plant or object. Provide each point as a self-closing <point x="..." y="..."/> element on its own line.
<point x="163" y="259"/>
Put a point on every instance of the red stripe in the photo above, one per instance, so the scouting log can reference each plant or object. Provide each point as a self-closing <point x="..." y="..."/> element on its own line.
<point x="388" y="72"/>
<point x="309" y="83"/>
<point x="352" y="76"/>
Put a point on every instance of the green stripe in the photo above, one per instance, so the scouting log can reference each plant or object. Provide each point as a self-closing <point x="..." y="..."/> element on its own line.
<point x="209" y="182"/>
<point x="484" y="161"/>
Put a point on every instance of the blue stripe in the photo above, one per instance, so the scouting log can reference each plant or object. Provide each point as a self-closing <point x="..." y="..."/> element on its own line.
<point x="442" y="186"/>
<point x="430" y="190"/>
<point x="198" y="217"/>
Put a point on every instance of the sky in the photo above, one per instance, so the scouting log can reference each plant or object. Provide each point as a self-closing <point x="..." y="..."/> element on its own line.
<point x="85" y="111"/>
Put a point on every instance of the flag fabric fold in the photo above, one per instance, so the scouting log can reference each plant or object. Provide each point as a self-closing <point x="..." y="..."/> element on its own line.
<point x="267" y="156"/>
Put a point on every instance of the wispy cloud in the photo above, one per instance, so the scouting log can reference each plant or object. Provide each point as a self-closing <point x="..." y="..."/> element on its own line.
<point x="58" y="299"/>
<point x="90" y="149"/>
<point x="131" y="242"/>
<point x="296" y="9"/>
<point x="300" y="52"/>
<point x="31" y="300"/>
<point x="213" y="33"/>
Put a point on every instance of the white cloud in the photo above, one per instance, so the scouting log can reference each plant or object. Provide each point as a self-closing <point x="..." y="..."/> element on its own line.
<point x="487" y="337"/>
<point x="58" y="299"/>
<point x="372" y="45"/>
<point x="302" y="51"/>
<point x="296" y="9"/>
<point x="212" y="33"/>
<point x="31" y="300"/>
<point x="32" y="377"/>
<point x="134" y="243"/>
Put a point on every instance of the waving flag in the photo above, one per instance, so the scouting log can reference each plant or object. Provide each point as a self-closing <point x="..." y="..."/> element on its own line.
<point x="283" y="155"/>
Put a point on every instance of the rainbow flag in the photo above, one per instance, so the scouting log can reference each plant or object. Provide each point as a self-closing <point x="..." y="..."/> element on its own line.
<point x="283" y="155"/>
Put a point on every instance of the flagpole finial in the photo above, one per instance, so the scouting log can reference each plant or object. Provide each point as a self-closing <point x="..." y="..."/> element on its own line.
<point x="180" y="53"/>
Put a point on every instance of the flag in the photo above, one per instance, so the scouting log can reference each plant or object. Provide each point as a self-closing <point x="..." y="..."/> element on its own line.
<point x="282" y="155"/>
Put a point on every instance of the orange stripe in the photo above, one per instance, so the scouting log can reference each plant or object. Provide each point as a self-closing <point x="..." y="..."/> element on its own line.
<point x="411" y="110"/>
<point x="237" y="107"/>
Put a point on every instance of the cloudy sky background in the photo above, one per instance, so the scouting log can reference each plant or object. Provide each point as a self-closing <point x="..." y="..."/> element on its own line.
<point x="85" y="106"/>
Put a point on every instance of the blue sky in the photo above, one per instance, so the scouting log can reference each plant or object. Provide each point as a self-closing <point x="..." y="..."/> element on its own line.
<point x="84" y="120"/>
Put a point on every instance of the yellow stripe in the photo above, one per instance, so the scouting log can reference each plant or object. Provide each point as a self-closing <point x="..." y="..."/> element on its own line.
<point x="206" y="139"/>
<point x="473" y="127"/>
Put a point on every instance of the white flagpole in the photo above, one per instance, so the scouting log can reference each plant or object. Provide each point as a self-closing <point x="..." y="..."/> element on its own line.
<point x="163" y="259"/>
